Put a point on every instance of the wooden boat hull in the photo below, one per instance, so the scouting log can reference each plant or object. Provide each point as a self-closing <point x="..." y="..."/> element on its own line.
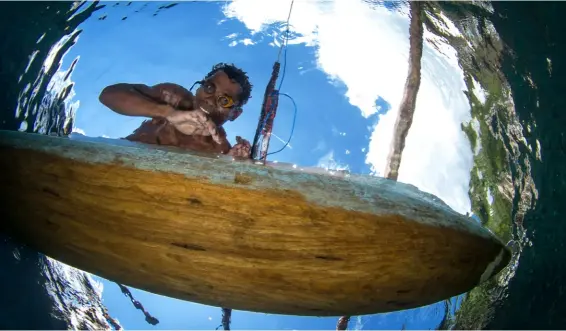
<point x="236" y="234"/>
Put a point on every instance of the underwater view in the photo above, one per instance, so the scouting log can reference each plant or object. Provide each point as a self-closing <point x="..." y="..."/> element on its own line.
<point x="447" y="108"/>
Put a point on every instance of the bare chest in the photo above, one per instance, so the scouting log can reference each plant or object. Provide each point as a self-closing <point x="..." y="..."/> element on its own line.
<point x="160" y="132"/>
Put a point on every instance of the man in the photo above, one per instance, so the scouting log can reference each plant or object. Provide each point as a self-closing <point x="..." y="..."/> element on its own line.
<point x="179" y="118"/>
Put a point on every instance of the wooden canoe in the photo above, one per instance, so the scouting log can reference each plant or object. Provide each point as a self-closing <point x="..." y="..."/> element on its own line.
<point x="264" y="238"/>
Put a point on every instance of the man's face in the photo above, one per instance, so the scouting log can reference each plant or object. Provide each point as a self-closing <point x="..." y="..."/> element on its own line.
<point x="218" y="96"/>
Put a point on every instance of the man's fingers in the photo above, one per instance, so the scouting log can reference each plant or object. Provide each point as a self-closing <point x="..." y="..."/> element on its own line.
<point x="241" y="150"/>
<point x="177" y="117"/>
<point x="187" y="128"/>
<point x="188" y="122"/>
<point x="242" y="141"/>
<point x="186" y="116"/>
<point x="195" y="122"/>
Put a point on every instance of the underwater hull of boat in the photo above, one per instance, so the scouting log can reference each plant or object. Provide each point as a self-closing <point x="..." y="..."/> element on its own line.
<point x="239" y="235"/>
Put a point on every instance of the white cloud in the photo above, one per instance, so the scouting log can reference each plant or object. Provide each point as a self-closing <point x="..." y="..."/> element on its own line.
<point x="245" y="42"/>
<point x="476" y="126"/>
<point x="79" y="131"/>
<point x="329" y="163"/>
<point x="479" y="92"/>
<point x="359" y="323"/>
<point x="367" y="49"/>
<point x="489" y="196"/>
<point x="320" y="146"/>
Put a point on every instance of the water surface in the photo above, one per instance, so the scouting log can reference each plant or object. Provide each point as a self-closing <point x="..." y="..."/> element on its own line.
<point x="487" y="136"/>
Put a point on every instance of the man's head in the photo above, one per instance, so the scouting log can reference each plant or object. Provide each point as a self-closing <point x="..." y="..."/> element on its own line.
<point x="223" y="92"/>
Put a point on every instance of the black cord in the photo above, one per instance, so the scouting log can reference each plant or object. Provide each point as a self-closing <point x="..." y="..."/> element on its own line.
<point x="292" y="127"/>
<point x="286" y="42"/>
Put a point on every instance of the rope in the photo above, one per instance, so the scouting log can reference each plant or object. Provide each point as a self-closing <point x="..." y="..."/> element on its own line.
<point x="292" y="127"/>
<point x="284" y="44"/>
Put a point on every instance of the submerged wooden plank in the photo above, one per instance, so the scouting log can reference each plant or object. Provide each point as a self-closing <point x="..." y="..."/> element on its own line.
<point x="239" y="235"/>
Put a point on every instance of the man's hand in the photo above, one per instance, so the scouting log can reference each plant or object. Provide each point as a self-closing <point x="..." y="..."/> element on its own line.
<point x="242" y="149"/>
<point x="194" y="122"/>
<point x="175" y="95"/>
<point x="145" y="101"/>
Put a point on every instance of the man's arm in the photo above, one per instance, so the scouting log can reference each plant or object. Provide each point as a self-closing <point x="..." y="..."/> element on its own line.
<point x="158" y="101"/>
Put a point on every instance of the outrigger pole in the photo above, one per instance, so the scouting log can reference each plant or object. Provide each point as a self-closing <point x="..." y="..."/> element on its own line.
<point x="266" y="117"/>
<point x="270" y="102"/>
<point x="407" y="107"/>
<point x="226" y="319"/>
<point x="262" y="136"/>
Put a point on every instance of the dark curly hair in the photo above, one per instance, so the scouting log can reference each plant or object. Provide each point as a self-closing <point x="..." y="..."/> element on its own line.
<point x="236" y="74"/>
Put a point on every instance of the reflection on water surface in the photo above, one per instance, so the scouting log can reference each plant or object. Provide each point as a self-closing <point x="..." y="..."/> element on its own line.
<point x="486" y="135"/>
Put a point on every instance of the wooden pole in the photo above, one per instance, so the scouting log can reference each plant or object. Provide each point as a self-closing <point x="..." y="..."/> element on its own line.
<point x="407" y="108"/>
<point x="343" y="323"/>
<point x="150" y="319"/>
<point x="226" y="318"/>
<point x="412" y="84"/>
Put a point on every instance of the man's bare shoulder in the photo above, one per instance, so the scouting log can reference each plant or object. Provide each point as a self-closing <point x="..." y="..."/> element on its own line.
<point x="175" y="95"/>
<point x="171" y="87"/>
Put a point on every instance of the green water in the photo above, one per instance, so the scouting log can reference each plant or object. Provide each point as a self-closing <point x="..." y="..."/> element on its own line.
<point x="534" y="30"/>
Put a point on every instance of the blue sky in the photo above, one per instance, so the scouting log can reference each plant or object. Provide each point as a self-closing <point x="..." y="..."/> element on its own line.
<point x="176" y="314"/>
<point x="346" y="67"/>
<point x="171" y="47"/>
